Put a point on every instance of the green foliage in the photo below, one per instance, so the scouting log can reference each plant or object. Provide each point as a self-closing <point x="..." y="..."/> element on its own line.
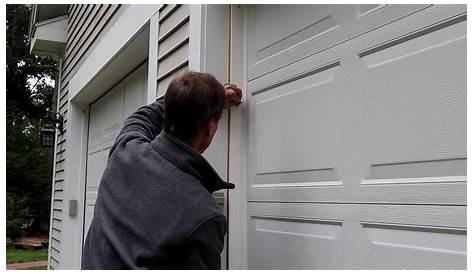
<point x="29" y="98"/>
<point x="22" y="66"/>
<point x="14" y="228"/>
<point x="15" y="255"/>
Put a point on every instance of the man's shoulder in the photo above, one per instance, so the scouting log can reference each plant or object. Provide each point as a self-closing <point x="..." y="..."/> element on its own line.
<point x="195" y="206"/>
<point x="197" y="196"/>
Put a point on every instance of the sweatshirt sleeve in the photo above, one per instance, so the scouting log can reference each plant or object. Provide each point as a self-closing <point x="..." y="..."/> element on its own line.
<point x="206" y="244"/>
<point x="142" y="125"/>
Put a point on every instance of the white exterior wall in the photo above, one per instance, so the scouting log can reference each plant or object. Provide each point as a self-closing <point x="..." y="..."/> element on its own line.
<point x="312" y="206"/>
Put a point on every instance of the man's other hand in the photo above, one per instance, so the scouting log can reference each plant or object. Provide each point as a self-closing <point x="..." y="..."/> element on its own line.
<point x="233" y="95"/>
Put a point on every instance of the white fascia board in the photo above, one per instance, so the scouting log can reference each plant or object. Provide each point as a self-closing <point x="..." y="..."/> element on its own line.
<point x="124" y="29"/>
<point x="196" y="47"/>
<point x="49" y="37"/>
<point x="153" y="58"/>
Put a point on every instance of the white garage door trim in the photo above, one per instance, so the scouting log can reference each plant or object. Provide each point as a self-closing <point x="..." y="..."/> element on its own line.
<point x="133" y="19"/>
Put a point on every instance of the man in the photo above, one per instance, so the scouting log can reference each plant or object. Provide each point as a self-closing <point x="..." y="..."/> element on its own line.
<point x="154" y="208"/>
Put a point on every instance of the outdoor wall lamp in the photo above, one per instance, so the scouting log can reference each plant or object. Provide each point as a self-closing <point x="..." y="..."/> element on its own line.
<point x="49" y="129"/>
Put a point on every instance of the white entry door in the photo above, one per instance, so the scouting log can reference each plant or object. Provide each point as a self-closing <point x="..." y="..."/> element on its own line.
<point x="357" y="136"/>
<point x="106" y="117"/>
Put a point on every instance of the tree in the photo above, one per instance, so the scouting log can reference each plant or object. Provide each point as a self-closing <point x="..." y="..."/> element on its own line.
<point x="29" y="95"/>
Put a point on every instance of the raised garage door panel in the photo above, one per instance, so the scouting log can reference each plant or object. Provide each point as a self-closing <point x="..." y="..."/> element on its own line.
<point x="357" y="137"/>
<point x="303" y="30"/>
<point x="315" y="100"/>
<point x="415" y="116"/>
<point x="106" y="117"/>
<point x="345" y="236"/>
<point x="416" y="92"/>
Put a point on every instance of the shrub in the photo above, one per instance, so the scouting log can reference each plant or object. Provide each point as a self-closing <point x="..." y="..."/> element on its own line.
<point x="14" y="229"/>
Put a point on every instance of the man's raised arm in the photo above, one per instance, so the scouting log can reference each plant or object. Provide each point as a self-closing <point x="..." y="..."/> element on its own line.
<point x="142" y="125"/>
<point x="146" y="123"/>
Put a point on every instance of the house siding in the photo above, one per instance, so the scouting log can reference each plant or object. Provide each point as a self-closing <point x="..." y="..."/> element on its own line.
<point x="173" y="44"/>
<point x="85" y="24"/>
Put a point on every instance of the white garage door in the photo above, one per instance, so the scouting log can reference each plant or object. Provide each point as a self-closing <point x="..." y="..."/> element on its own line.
<point x="357" y="136"/>
<point x="105" y="122"/>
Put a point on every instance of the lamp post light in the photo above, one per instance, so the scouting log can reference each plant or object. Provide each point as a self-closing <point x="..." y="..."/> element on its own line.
<point x="48" y="131"/>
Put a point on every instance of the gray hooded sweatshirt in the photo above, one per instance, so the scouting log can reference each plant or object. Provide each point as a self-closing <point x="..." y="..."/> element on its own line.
<point x="154" y="208"/>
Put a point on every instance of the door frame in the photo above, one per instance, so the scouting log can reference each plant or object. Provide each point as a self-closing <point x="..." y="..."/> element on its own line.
<point x="239" y="143"/>
<point x="199" y="40"/>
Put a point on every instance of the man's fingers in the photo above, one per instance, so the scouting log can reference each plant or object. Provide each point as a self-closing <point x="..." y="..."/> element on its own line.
<point x="239" y="92"/>
<point x="234" y="88"/>
<point x="234" y="100"/>
<point x="233" y="94"/>
<point x="230" y="84"/>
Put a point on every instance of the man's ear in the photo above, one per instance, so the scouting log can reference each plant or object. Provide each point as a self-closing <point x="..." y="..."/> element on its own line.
<point x="208" y="129"/>
<point x="207" y="133"/>
<point x="211" y="127"/>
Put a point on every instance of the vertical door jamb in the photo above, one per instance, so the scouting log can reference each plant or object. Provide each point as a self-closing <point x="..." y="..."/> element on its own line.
<point x="238" y="145"/>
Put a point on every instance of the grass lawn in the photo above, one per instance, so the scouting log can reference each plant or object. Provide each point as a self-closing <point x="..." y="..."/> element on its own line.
<point x="15" y="255"/>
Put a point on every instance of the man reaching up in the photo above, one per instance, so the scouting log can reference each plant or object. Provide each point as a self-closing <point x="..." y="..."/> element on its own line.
<point x="154" y="208"/>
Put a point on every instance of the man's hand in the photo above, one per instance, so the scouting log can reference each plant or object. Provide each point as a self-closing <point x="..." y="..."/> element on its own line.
<point x="233" y="95"/>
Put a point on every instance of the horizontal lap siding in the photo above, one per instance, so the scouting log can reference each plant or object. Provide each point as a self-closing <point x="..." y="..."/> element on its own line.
<point x="85" y="24"/>
<point x="173" y="44"/>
